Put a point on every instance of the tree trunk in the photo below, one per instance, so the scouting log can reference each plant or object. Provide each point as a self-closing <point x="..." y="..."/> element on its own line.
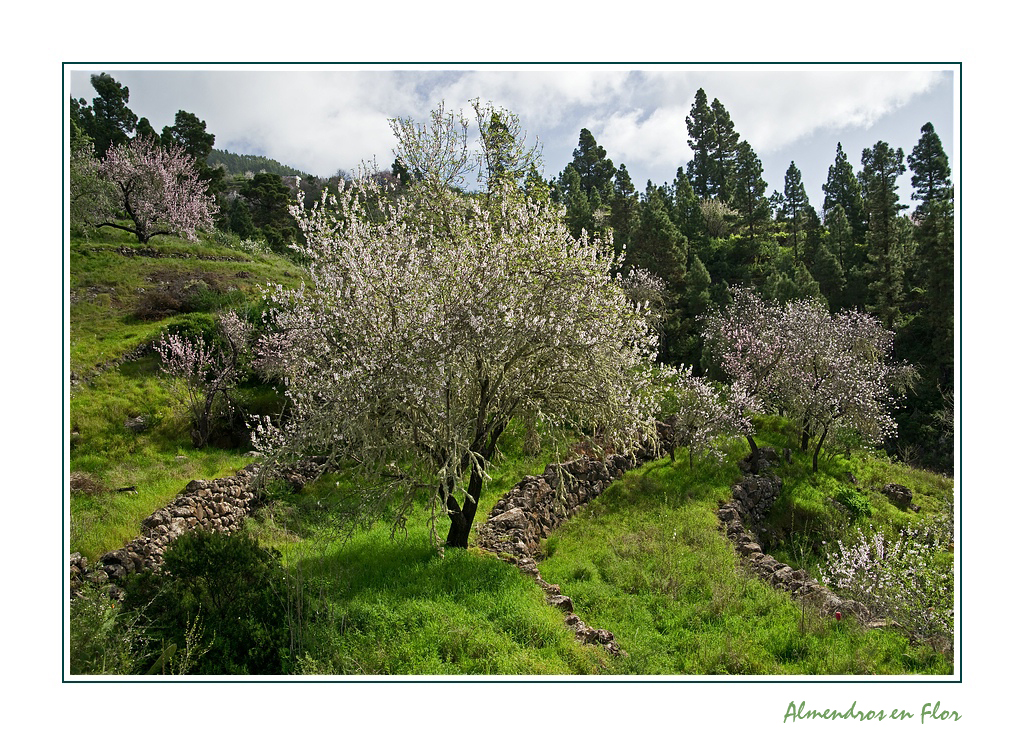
<point x="462" y="518"/>
<point x="755" y="454"/>
<point x="821" y="441"/>
<point x="805" y="438"/>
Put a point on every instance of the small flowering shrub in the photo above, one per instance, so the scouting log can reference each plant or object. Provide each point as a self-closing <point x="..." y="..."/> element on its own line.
<point x="205" y="372"/>
<point x="703" y="414"/>
<point x="906" y="579"/>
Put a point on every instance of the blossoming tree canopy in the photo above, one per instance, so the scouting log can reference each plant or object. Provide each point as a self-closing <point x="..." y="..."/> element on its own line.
<point x="158" y="191"/>
<point x="432" y="317"/>
<point x="832" y="372"/>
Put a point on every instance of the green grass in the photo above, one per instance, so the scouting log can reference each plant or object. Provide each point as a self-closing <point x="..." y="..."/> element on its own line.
<point x="106" y="288"/>
<point x="646" y="560"/>
<point x="388" y="605"/>
<point x="814" y="509"/>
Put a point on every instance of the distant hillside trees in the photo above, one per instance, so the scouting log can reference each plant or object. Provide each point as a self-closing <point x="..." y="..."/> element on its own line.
<point x="238" y="165"/>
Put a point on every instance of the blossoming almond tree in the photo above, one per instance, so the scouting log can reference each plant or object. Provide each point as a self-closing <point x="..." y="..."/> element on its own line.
<point x="433" y="317"/>
<point x="206" y="372"/>
<point x="838" y="374"/>
<point x="706" y="414"/>
<point x="745" y="339"/>
<point x="158" y="191"/>
<point x="832" y="372"/>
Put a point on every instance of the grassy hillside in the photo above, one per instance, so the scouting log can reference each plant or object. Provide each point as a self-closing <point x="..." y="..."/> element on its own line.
<point x="646" y="560"/>
<point x="123" y="297"/>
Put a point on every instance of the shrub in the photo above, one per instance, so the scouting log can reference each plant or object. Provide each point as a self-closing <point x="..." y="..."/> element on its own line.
<point x="236" y="589"/>
<point x="855" y="502"/>
<point x="194" y="326"/>
<point x="906" y="579"/>
<point x="105" y="640"/>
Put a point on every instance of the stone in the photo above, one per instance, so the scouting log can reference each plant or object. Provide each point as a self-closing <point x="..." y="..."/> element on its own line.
<point x="898" y="495"/>
<point x="561" y="601"/>
<point x="514" y="518"/>
<point x="136" y="424"/>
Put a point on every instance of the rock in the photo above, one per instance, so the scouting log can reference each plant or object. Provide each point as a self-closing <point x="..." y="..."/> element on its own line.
<point x="898" y="495"/>
<point x="137" y="424"/>
<point x="561" y="601"/>
<point x="514" y="518"/>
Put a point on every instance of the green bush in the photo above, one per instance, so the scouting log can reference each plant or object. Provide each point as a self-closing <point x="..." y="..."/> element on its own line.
<point x="105" y="640"/>
<point x="231" y="589"/>
<point x="855" y="502"/>
<point x="194" y="326"/>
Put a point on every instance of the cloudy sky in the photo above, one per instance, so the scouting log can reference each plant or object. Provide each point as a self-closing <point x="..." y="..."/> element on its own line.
<point x="323" y="118"/>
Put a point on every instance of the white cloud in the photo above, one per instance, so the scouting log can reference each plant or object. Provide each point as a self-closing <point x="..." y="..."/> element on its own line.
<point x="322" y="119"/>
<point x="636" y="139"/>
<point x="773" y="110"/>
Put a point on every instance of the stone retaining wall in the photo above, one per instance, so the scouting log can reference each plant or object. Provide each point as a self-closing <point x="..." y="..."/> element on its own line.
<point x="743" y="517"/>
<point x="219" y="505"/>
<point x="534" y="507"/>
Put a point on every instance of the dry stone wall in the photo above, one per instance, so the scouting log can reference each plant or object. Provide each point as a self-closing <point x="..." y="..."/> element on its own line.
<point x="742" y="518"/>
<point x="219" y="505"/>
<point x="537" y="505"/>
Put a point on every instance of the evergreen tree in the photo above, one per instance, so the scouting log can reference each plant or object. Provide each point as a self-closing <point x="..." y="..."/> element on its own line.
<point x="725" y="152"/>
<point x="844" y="190"/>
<point x="687" y="346"/>
<point x="625" y="207"/>
<point x="929" y="166"/>
<point x="145" y="129"/>
<point x="579" y="214"/>
<point x="595" y="168"/>
<point x="700" y="126"/>
<point x="749" y="198"/>
<point x="240" y="219"/>
<point x="656" y="244"/>
<point x="189" y="133"/>
<point x="108" y="121"/>
<point x="268" y="200"/>
<point x="794" y="206"/>
<point x="930" y="179"/>
<point x="822" y="262"/>
<point x="686" y="209"/>
<point x="889" y="243"/>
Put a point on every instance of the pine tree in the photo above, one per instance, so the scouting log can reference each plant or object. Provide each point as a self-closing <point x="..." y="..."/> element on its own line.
<point x="595" y="168"/>
<point x="935" y="238"/>
<point x="889" y="240"/>
<point x="844" y="190"/>
<point x="794" y="206"/>
<point x="579" y="214"/>
<point x="725" y="152"/>
<point x="108" y="121"/>
<point x="700" y="126"/>
<point x="625" y="207"/>
<point x="656" y="244"/>
<point x="686" y="208"/>
<point x="749" y="198"/>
